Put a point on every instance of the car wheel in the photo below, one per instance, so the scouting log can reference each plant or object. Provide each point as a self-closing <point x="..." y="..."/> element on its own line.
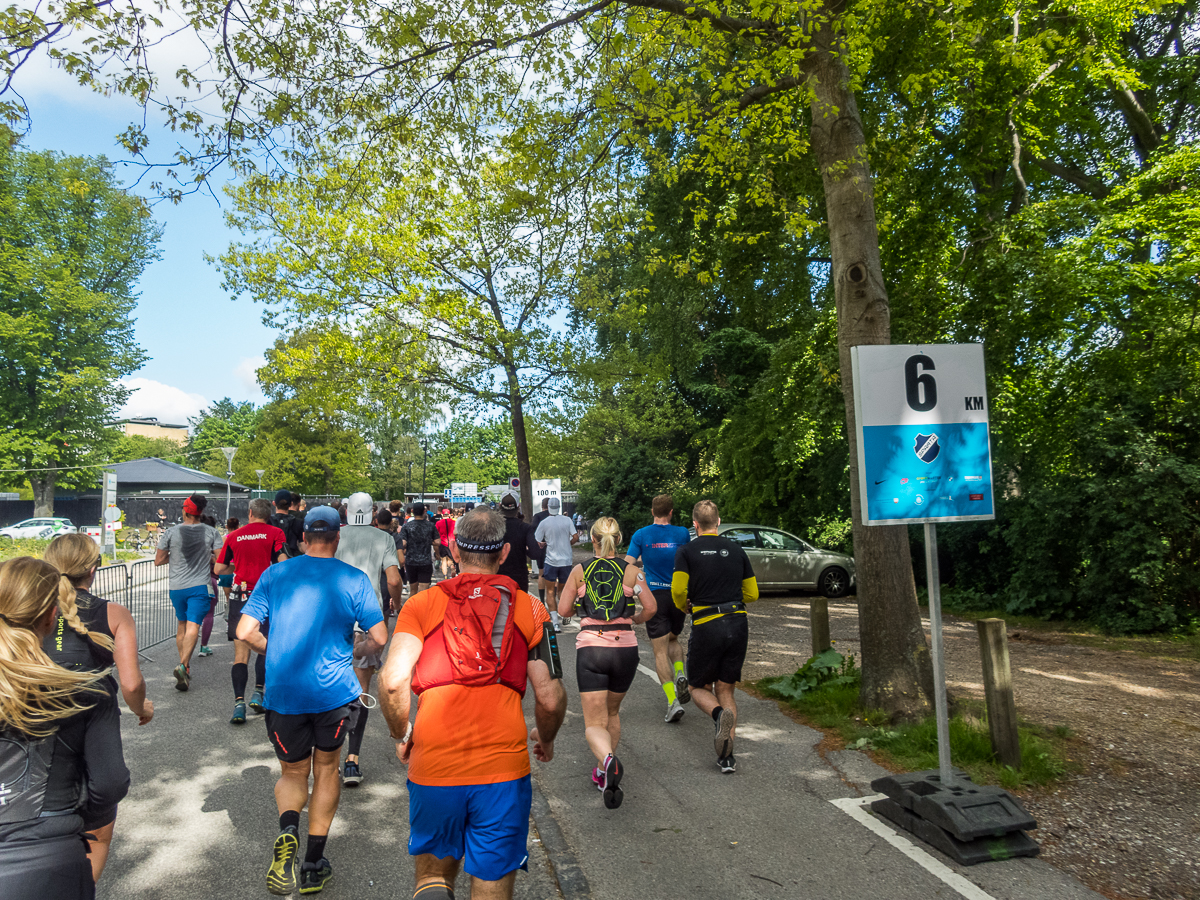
<point x="834" y="582"/>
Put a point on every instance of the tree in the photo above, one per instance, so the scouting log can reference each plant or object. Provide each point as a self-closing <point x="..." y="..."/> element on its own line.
<point x="73" y="245"/>
<point x="223" y="424"/>
<point x="138" y="446"/>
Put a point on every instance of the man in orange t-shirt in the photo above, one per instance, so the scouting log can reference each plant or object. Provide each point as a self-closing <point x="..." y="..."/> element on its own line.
<point x="469" y="788"/>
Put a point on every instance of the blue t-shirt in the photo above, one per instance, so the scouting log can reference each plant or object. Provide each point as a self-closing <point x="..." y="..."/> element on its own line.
<point x="656" y="545"/>
<point x="312" y="604"/>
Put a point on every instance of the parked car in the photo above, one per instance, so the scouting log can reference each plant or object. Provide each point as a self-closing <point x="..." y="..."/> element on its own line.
<point x="39" y="528"/>
<point x="784" y="561"/>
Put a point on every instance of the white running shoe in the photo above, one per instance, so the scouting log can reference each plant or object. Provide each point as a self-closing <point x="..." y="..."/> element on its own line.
<point x="674" y="712"/>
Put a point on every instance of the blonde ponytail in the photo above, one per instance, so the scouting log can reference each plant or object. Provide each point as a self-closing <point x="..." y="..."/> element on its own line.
<point x="606" y="536"/>
<point x="34" y="692"/>
<point x="75" y="555"/>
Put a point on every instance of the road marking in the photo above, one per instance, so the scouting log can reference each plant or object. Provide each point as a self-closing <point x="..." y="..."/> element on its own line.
<point x="646" y="670"/>
<point x="855" y="808"/>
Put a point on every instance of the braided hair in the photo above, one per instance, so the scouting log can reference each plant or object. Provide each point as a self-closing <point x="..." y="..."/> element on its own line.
<point x="75" y="556"/>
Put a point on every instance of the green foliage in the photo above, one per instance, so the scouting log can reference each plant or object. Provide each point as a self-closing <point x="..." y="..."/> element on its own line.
<point x="10" y="549"/>
<point x="466" y="450"/>
<point x="224" y="424"/>
<point x="72" y="247"/>
<point x="827" y="668"/>
<point x="623" y="483"/>
<point x="138" y="446"/>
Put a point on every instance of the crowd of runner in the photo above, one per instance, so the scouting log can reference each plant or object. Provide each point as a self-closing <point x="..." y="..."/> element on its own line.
<point x="324" y="599"/>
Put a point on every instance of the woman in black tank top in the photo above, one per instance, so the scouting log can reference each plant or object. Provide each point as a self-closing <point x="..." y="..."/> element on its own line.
<point x="93" y="635"/>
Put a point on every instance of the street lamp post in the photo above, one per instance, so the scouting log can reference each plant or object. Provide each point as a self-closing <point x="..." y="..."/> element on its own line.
<point x="260" y="473"/>
<point x="229" y="452"/>
<point x="408" y="478"/>
<point x="424" y="467"/>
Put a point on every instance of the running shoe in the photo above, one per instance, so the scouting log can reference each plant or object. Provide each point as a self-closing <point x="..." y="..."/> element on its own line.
<point x="256" y="700"/>
<point x="723" y="741"/>
<point x="239" y="713"/>
<point x="674" y="712"/>
<point x="281" y="877"/>
<point x="352" y="775"/>
<point x="682" y="694"/>
<point x="314" y="876"/>
<point x="727" y="764"/>
<point x="205" y="650"/>
<point x="183" y="678"/>
<point x="613" y="770"/>
<point x="598" y="778"/>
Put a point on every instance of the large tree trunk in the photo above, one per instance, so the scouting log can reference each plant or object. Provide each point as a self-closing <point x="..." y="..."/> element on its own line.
<point x="521" y="444"/>
<point x="43" y="492"/>
<point x="896" y="666"/>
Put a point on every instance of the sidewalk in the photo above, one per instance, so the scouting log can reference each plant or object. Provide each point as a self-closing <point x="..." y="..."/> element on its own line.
<point x="201" y="816"/>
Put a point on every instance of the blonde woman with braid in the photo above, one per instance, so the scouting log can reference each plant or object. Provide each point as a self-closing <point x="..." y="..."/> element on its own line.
<point x="90" y="635"/>
<point x="606" y="591"/>
<point x="60" y="745"/>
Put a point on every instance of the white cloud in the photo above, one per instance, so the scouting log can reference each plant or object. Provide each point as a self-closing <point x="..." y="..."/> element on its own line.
<point x="169" y="405"/>
<point x="247" y="372"/>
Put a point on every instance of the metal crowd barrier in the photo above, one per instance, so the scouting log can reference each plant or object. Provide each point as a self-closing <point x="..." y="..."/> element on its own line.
<point x="142" y="588"/>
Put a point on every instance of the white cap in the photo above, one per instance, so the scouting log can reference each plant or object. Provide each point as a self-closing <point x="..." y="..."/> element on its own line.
<point x="554" y="507"/>
<point x="361" y="506"/>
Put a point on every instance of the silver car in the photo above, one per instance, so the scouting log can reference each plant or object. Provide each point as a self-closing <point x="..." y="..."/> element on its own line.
<point x="783" y="561"/>
<point x="43" y="528"/>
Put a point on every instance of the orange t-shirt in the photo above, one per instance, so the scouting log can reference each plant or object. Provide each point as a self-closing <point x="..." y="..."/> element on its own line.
<point x="468" y="735"/>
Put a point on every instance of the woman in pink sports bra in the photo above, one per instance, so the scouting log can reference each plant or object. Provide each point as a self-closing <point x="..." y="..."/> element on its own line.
<point x="606" y="591"/>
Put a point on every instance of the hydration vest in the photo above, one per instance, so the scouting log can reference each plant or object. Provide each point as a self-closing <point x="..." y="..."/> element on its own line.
<point x="293" y="531"/>
<point x="24" y="774"/>
<point x="476" y="643"/>
<point x="604" y="591"/>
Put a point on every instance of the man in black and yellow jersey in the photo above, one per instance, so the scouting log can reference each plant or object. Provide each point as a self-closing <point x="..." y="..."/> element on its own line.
<point x="714" y="580"/>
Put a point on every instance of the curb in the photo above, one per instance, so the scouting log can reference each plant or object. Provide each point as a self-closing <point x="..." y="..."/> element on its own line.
<point x="572" y="883"/>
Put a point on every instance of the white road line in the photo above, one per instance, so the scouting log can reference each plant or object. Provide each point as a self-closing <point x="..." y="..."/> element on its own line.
<point x="646" y="670"/>
<point x="856" y="808"/>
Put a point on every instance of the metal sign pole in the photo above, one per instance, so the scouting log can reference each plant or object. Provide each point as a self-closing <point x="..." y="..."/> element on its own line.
<point x="933" y="577"/>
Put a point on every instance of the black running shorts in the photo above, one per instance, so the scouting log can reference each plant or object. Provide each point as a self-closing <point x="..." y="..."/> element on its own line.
<point x="606" y="668"/>
<point x="668" y="619"/>
<point x="717" y="650"/>
<point x="234" y="615"/>
<point x="295" y="736"/>
<point x="419" y="573"/>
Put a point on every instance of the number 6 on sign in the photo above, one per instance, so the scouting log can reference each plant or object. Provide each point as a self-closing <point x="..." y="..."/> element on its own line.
<point x="924" y="453"/>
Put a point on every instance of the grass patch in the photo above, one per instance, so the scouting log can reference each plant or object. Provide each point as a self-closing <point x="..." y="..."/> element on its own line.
<point x="910" y="747"/>
<point x="10" y="549"/>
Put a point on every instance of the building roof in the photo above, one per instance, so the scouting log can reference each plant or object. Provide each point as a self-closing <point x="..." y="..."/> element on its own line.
<point x="142" y="420"/>
<point x="153" y="473"/>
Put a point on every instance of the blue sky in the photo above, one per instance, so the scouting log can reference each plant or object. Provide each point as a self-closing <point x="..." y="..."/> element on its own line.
<point x="202" y="344"/>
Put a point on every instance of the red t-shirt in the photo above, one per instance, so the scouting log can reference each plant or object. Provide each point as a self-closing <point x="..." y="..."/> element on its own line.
<point x="251" y="549"/>
<point x="445" y="527"/>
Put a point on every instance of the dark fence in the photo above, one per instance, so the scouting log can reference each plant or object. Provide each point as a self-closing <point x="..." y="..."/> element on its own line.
<point x="142" y="588"/>
<point x="84" y="511"/>
<point x="141" y="511"/>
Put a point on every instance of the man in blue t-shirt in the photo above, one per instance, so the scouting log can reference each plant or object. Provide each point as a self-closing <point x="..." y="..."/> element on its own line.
<point x="313" y="603"/>
<point x="656" y="545"/>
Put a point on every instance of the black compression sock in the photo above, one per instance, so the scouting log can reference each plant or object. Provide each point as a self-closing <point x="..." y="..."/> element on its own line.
<point x="316" y="847"/>
<point x="356" y="732"/>
<point x="260" y="671"/>
<point x="438" y="890"/>
<point x="240" y="675"/>
<point x="542" y="596"/>
<point x="717" y="713"/>
<point x="289" y="818"/>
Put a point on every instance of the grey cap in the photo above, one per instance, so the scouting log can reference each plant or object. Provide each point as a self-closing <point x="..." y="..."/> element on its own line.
<point x="554" y="507"/>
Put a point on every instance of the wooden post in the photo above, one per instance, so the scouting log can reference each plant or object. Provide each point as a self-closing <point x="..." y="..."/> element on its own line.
<point x="818" y="618"/>
<point x="997" y="687"/>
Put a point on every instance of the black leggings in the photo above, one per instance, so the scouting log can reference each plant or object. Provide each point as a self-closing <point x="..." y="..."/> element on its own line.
<point x="605" y="668"/>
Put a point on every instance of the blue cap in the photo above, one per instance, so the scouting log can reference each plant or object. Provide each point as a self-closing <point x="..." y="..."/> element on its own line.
<point x="322" y="518"/>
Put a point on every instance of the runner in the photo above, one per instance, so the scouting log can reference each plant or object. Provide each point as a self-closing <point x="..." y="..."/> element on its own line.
<point x="445" y="527"/>
<point x="189" y="549"/>
<point x="522" y="545"/>
<point x="224" y="584"/>
<point x="714" y="579"/>
<point x="372" y="552"/>
<point x="91" y="635"/>
<point x="246" y="553"/>
<point x="289" y="521"/>
<point x="469" y="788"/>
<point x="606" y="591"/>
<point x="391" y="601"/>
<point x="418" y="537"/>
<point x="556" y="535"/>
<point x="61" y="761"/>
<point x="312" y="603"/>
<point x="656" y="545"/>
<point x="538" y="517"/>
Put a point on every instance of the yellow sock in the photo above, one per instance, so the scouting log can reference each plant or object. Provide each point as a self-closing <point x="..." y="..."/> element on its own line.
<point x="669" y="690"/>
<point x="678" y="669"/>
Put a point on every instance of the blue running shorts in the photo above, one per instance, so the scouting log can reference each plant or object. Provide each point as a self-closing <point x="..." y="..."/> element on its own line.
<point x="191" y="604"/>
<point x="485" y="825"/>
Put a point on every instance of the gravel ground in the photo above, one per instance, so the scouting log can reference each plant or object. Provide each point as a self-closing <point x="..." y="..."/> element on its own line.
<point x="1128" y="823"/>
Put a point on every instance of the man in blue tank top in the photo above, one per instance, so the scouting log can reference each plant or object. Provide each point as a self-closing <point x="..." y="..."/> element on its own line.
<point x="656" y="545"/>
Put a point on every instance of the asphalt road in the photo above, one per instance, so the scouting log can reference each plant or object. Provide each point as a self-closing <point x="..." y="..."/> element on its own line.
<point x="201" y="816"/>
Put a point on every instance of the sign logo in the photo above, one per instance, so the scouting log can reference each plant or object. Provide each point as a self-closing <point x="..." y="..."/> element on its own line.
<point x="927" y="447"/>
<point x="972" y="478"/>
<point x="919" y="499"/>
<point x="904" y="481"/>
<point x="976" y="497"/>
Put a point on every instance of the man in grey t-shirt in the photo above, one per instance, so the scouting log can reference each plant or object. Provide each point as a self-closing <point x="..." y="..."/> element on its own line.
<point x="190" y="550"/>
<point x="556" y="534"/>
<point x="372" y="552"/>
